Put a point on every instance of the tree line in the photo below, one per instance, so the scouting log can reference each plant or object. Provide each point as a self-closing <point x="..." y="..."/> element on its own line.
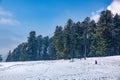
<point x="74" y="40"/>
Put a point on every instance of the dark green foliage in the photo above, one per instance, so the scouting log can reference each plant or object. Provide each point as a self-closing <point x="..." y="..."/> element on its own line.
<point x="116" y="35"/>
<point x="74" y="40"/>
<point x="39" y="47"/>
<point x="32" y="46"/>
<point x="106" y="24"/>
<point x="18" y="54"/>
<point x="0" y="58"/>
<point x="58" y="41"/>
<point x="68" y="40"/>
<point x="45" y="55"/>
<point x="86" y="28"/>
<point x="98" y="44"/>
<point x="52" y="50"/>
<point x="9" y="57"/>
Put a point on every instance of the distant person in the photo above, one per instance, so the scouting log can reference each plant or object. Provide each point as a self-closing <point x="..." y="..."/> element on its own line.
<point x="95" y="61"/>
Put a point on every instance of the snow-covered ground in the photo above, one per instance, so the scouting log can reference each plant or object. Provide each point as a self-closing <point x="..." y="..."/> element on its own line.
<point x="108" y="68"/>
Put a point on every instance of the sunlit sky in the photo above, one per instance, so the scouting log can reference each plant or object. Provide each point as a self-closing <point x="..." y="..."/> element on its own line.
<point x="19" y="17"/>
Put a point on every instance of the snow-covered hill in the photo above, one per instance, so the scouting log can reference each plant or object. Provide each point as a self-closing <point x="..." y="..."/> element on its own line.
<point x="108" y="68"/>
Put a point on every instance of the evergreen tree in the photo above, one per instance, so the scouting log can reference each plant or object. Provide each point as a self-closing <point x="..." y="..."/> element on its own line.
<point x="23" y="51"/>
<point x="67" y="39"/>
<point x="58" y="39"/>
<point x="18" y="54"/>
<point x="106" y="22"/>
<point x="86" y="29"/>
<point x="0" y="58"/>
<point x="9" y="57"/>
<point x="39" y="47"/>
<point x="45" y="55"/>
<point x="52" y="50"/>
<point x="32" y="46"/>
<point x="116" y="34"/>
<point x="74" y="40"/>
<point x="98" y="44"/>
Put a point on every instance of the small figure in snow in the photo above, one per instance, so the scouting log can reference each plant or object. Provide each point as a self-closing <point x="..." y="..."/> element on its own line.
<point x="95" y="61"/>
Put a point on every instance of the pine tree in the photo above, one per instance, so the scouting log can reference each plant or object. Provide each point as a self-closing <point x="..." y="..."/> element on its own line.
<point x="52" y="50"/>
<point x="45" y="55"/>
<point x="116" y="34"/>
<point x="86" y="28"/>
<point x="39" y="47"/>
<point x="58" y="39"/>
<point x="0" y="58"/>
<point x="67" y="39"/>
<point x="106" y="22"/>
<point x="32" y="46"/>
<point x="76" y="39"/>
<point x="9" y="57"/>
<point x="98" y="44"/>
<point x="23" y="51"/>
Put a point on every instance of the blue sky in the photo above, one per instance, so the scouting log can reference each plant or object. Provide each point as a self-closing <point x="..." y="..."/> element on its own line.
<point x="19" y="17"/>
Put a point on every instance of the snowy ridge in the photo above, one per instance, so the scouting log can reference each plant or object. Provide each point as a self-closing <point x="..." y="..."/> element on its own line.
<point x="108" y="68"/>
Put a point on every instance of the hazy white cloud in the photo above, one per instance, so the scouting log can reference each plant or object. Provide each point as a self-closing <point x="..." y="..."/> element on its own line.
<point x="114" y="7"/>
<point x="96" y="15"/>
<point x="8" y="21"/>
<point x="5" y="13"/>
<point x="6" y="18"/>
<point x="8" y="39"/>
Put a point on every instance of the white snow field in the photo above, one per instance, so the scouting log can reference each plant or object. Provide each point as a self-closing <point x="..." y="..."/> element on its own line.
<point x="108" y="68"/>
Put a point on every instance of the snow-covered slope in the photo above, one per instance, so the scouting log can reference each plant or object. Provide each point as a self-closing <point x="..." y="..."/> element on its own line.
<point x="108" y="68"/>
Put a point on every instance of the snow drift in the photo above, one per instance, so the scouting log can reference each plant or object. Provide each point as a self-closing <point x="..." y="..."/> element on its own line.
<point x="107" y="68"/>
